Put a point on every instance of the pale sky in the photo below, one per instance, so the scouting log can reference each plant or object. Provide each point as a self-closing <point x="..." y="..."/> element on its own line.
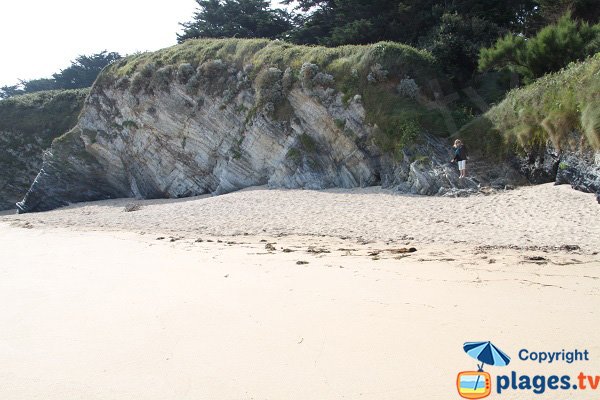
<point x="40" y="37"/>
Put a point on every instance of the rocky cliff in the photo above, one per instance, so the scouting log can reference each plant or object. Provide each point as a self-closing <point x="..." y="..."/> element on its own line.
<point x="215" y="116"/>
<point x="28" y="124"/>
<point x="550" y="130"/>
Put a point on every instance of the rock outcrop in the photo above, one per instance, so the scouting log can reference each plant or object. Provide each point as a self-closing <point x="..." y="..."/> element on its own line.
<point x="580" y="169"/>
<point x="185" y="128"/>
<point x="28" y="124"/>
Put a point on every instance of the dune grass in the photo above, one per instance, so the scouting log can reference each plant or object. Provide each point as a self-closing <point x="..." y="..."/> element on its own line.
<point x="563" y="107"/>
<point x="340" y="61"/>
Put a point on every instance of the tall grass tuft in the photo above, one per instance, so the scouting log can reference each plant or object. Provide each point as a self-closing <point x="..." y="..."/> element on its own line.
<point x="563" y="108"/>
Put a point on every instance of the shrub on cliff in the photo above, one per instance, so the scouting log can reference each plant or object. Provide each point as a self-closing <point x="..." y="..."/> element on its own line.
<point x="269" y="86"/>
<point x="46" y="114"/>
<point x="372" y="72"/>
<point x="562" y="107"/>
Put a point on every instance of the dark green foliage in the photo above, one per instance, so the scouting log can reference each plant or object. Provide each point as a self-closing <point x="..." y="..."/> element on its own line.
<point x="28" y="125"/>
<point x="269" y="86"/>
<point x="399" y="121"/>
<point x="83" y="71"/>
<point x="9" y="91"/>
<point x="562" y="107"/>
<point x="552" y="10"/>
<point x="305" y="151"/>
<point x="453" y="31"/>
<point x="294" y="155"/>
<point x="236" y="18"/>
<point x="335" y="22"/>
<point x="44" y="114"/>
<point x="39" y="85"/>
<point x="80" y="74"/>
<point x="456" y="42"/>
<point x="551" y="49"/>
<point x="308" y="143"/>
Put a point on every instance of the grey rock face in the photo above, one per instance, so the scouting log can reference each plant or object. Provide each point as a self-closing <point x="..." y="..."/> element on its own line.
<point x="176" y="132"/>
<point x="20" y="161"/>
<point x="579" y="169"/>
<point x="28" y="124"/>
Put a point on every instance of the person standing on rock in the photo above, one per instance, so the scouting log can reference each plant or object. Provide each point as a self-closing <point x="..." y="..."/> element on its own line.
<point x="460" y="157"/>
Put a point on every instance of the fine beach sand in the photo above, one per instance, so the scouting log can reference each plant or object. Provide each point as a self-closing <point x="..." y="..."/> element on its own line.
<point x="289" y="294"/>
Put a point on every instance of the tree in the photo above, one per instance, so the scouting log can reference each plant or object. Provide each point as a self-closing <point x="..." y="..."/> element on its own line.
<point x="335" y="22"/>
<point x="10" y="91"/>
<point x="236" y="18"/>
<point x="584" y="10"/>
<point x="452" y="30"/>
<point x="38" y="85"/>
<point x="456" y="42"/>
<point x="80" y="74"/>
<point x="84" y="70"/>
<point x="551" y="49"/>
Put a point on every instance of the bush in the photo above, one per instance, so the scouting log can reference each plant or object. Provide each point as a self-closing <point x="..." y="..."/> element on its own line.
<point x="288" y="79"/>
<point x="269" y="86"/>
<point x="307" y="73"/>
<point x="212" y="69"/>
<point x="184" y="72"/>
<point x="408" y="88"/>
<point x="138" y="82"/>
<point x="163" y="77"/>
<point x="324" y="79"/>
<point x="213" y="76"/>
<point x="44" y="114"/>
<point x="148" y="70"/>
<point x="377" y="74"/>
<point x="552" y="49"/>
<point x="562" y="107"/>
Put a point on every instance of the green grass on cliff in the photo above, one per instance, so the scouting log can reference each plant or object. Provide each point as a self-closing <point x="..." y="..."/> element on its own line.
<point x="340" y="61"/>
<point x="563" y="107"/>
<point x="399" y="119"/>
<point x="45" y="115"/>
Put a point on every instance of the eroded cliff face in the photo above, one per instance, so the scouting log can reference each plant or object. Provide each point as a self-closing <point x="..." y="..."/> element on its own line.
<point x="28" y="124"/>
<point x="579" y="168"/>
<point x="183" y="130"/>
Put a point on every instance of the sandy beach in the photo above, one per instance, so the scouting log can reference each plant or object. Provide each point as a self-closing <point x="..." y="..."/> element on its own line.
<point x="287" y="294"/>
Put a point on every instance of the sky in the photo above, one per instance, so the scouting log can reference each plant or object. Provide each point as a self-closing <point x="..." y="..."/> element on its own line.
<point x="41" y="37"/>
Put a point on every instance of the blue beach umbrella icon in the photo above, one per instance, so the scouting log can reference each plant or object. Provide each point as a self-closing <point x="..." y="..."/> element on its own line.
<point x="487" y="353"/>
